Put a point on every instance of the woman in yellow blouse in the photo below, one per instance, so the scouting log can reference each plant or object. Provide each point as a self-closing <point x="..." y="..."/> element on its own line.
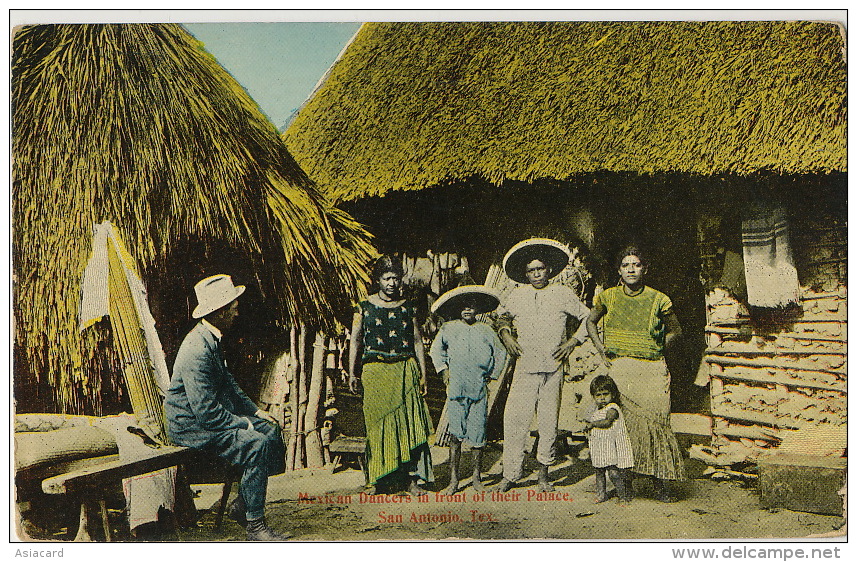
<point x="639" y="323"/>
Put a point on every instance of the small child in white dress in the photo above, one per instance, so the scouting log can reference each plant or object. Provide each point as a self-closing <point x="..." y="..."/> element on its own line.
<point x="609" y="445"/>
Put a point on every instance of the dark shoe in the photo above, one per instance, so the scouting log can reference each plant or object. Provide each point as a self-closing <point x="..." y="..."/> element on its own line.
<point x="258" y="530"/>
<point x="236" y="511"/>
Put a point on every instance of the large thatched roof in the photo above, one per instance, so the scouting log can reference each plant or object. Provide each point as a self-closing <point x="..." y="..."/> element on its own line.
<point x="138" y="125"/>
<point x="412" y="105"/>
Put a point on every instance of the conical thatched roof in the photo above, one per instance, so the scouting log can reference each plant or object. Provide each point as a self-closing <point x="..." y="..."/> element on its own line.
<point x="138" y="125"/>
<point x="412" y="105"/>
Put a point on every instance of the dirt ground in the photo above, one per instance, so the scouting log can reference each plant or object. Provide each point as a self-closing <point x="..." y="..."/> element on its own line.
<point x="334" y="509"/>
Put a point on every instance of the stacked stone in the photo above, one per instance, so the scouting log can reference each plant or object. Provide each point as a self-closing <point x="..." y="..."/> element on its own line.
<point x="778" y="384"/>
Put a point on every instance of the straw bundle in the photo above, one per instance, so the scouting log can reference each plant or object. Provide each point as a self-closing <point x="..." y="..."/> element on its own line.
<point x="146" y="402"/>
<point x="414" y="105"/>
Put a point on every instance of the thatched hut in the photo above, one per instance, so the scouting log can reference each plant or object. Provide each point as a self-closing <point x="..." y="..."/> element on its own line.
<point x="435" y="103"/>
<point x="138" y="125"/>
<point x="471" y="136"/>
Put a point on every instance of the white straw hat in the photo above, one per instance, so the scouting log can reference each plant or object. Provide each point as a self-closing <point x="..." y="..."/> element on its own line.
<point x="552" y="253"/>
<point x="449" y="304"/>
<point x="213" y="293"/>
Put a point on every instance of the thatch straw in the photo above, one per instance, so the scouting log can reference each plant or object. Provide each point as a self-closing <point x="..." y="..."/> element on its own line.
<point x="138" y="125"/>
<point x="413" y="105"/>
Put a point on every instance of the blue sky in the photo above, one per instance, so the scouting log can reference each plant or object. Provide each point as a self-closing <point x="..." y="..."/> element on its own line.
<point x="277" y="63"/>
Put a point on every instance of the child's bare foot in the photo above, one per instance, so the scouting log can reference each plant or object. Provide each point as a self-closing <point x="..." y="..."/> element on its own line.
<point x="451" y="489"/>
<point x="478" y="485"/>
<point x="505" y="485"/>
<point x="601" y="499"/>
<point x="415" y="490"/>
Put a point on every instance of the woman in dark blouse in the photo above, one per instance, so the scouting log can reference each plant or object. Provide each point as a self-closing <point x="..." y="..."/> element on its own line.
<point x="387" y="347"/>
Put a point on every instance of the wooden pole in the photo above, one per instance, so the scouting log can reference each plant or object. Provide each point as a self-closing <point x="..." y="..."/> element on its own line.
<point x="740" y="362"/>
<point x="302" y="398"/>
<point x="314" y="455"/>
<point x="293" y="398"/>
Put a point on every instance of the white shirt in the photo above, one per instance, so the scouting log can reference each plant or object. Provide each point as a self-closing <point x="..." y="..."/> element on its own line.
<point x="539" y="317"/>
<point x="213" y="329"/>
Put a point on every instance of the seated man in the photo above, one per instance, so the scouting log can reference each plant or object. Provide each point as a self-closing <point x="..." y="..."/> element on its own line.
<point x="207" y="410"/>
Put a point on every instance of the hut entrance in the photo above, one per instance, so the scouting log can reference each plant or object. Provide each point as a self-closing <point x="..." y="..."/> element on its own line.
<point x="594" y="215"/>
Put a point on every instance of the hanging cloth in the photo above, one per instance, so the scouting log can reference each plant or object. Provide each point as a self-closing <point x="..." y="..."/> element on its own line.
<point x="772" y="279"/>
<point x="147" y="493"/>
<point x="95" y="296"/>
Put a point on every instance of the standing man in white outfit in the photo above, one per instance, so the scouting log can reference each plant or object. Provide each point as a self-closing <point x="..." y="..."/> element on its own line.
<point x="532" y="326"/>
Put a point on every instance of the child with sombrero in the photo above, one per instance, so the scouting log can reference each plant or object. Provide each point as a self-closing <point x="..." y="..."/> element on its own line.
<point x="467" y="353"/>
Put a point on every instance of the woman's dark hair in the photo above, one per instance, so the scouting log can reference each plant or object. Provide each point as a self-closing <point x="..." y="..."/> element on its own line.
<point x="387" y="264"/>
<point x="604" y="382"/>
<point x="630" y="251"/>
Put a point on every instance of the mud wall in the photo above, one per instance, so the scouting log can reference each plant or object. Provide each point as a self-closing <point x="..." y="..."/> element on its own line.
<point x="778" y="376"/>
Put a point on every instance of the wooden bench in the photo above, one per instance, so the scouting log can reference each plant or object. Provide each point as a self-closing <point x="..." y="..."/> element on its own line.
<point x="89" y="485"/>
<point x="344" y="445"/>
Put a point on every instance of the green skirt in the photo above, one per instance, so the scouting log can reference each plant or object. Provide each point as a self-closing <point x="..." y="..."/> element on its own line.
<point x="398" y="426"/>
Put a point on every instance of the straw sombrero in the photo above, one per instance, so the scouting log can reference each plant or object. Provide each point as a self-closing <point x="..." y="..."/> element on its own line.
<point x="551" y="252"/>
<point x="451" y="302"/>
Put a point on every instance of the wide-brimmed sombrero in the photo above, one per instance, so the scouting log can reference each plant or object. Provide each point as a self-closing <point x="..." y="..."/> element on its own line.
<point x="552" y="253"/>
<point x="450" y="303"/>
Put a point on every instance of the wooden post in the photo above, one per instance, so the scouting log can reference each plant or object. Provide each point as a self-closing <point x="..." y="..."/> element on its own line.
<point x="314" y="455"/>
<point x="83" y="525"/>
<point x="302" y="398"/>
<point x="105" y="521"/>
<point x="293" y="398"/>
